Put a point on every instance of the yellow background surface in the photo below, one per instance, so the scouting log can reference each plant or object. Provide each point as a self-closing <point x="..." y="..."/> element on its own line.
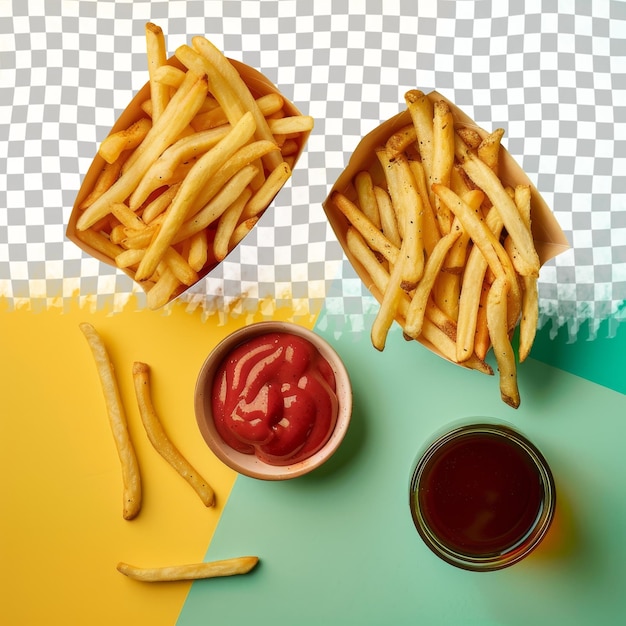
<point x="62" y="532"/>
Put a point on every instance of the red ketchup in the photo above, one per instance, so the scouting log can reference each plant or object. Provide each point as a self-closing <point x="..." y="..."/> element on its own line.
<point x="274" y="396"/>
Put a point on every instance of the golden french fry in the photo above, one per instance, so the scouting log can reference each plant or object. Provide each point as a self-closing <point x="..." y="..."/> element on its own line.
<point x="157" y="206"/>
<point x="403" y="271"/>
<point x="202" y="171"/>
<point x="241" y="231"/>
<point x="157" y="57"/>
<point x="289" y="147"/>
<point x="117" y="419"/>
<point x="180" y="267"/>
<point x="447" y="289"/>
<point x="138" y="239"/>
<point x="471" y="290"/>
<point x="527" y="261"/>
<point x="489" y="149"/>
<point x="180" y="110"/>
<point x="404" y="195"/>
<point x="502" y="348"/>
<point x="417" y="308"/>
<point x="100" y="243"/>
<point x="166" y="287"/>
<point x="431" y="233"/>
<point x="127" y="139"/>
<point x="169" y="75"/>
<point x="198" y="255"/>
<point x="421" y="111"/>
<point x="482" y="342"/>
<point x="250" y="153"/>
<point x="216" y="116"/>
<point x="366" y="198"/>
<point x="127" y="216"/>
<point x="221" y="90"/>
<point x="191" y="571"/>
<point x="530" y="295"/>
<point x="106" y="178"/>
<point x="230" y="192"/>
<point x="159" y="438"/>
<point x="470" y="136"/>
<point x="268" y="190"/>
<point x="291" y="124"/>
<point x="230" y="74"/>
<point x="375" y="238"/>
<point x="443" y="159"/>
<point x="389" y="305"/>
<point x="163" y="169"/>
<point x="441" y="340"/>
<point x="387" y="214"/>
<point x="401" y="140"/>
<point x="475" y="225"/>
<point x="129" y="258"/>
<point x="226" y="225"/>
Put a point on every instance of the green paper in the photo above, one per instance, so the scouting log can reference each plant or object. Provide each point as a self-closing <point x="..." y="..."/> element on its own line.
<point x="338" y="546"/>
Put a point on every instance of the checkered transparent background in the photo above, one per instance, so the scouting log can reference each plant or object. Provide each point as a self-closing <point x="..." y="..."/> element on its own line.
<point x="552" y="73"/>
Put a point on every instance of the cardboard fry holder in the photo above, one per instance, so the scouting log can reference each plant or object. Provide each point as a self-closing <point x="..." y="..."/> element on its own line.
<point x="258" y="85"/>
<point x="547" y="234"/>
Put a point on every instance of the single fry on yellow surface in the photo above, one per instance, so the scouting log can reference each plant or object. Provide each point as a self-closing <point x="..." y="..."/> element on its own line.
<point x="191" y="571"/>
<point x="159" y="438"/>
<point x="131" y="476"/>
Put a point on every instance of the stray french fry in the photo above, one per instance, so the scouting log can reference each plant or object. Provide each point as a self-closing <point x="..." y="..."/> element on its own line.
<point x="159" y="438"/>
<point x="191" y="571"/>
<point x="131" y="477"/>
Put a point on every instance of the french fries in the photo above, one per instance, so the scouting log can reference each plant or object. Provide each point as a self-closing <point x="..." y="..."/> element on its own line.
<point x="199" y="127"/>
<point x="191" y="571"/>
<point x="131" y="476"/>
<point x="159" y="438"/>
<point x="463" y="274"/>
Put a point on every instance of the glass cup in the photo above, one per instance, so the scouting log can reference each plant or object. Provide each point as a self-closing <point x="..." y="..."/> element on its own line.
<point x="482" y="496"/>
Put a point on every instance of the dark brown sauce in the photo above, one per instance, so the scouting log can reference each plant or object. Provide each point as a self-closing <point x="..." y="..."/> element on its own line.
<point x="481" y="494"/>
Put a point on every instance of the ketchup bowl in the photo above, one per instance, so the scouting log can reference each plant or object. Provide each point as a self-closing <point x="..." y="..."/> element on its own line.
<point x="273" y="400"/>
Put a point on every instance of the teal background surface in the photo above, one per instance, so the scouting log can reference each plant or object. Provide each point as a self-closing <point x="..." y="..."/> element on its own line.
<point x="338" y="546"/>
